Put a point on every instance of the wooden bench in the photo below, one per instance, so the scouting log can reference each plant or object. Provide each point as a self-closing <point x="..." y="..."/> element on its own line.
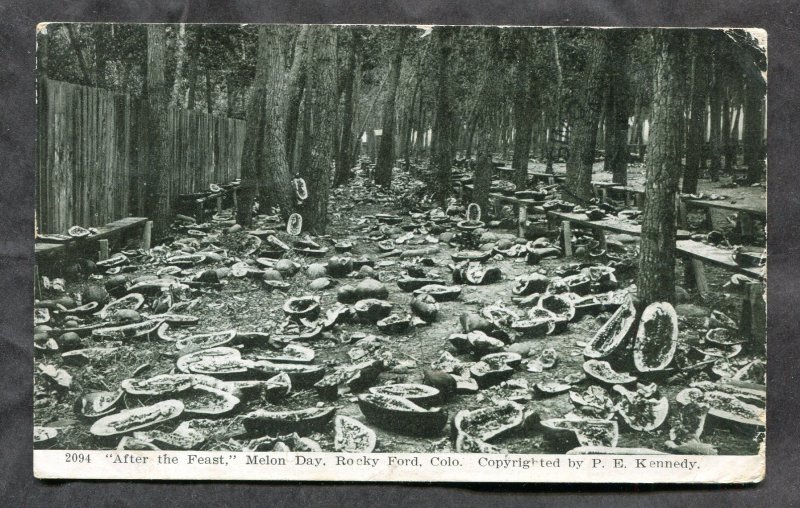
<point x="104" y="233"/>
<point x="196" y="203"/>
<point x="600" y="227"/>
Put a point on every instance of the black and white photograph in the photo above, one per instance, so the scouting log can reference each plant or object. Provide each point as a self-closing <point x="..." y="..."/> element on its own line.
<point x="400" y="253"/>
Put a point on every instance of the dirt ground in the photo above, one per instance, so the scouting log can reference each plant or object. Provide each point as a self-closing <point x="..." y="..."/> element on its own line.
<point x="245" y="305"/>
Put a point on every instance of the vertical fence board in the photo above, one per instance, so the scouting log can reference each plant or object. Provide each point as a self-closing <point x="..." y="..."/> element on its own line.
<point x="91" y="158"/>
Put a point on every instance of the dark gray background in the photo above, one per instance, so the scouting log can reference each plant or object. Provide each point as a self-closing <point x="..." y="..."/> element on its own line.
<point x="17" y="139"/>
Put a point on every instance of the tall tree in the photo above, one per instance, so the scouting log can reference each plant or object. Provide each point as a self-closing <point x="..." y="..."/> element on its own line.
<point x="442" y="136"/>
<point x="77" y="46"/>
<point x="585" y="120"/>
<point x="319" y="133"/>
<point x="344" y="162"/>
<point x="715" y="110"/>
<point x="656" y="279"/>
<point x="255" y="121"/>
<point x="617" y="99"/>
<point x="296" y="86"/>
<point x="157" y="196"/>
<point x="385" y="160"/>
<point x="753" y="130"/>
<point x="100" y="54"/>
<point x="524" y="101"/>
<point x="180" y="57"/>
<point x="276" y="170"/>
<point x="697" y="107"/>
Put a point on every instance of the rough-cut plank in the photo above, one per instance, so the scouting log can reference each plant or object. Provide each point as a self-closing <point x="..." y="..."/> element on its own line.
<point x="611" y="224"/>
<point x="715" y="256"/>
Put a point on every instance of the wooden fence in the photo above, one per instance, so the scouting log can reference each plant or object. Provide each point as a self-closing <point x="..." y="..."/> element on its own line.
<point x="91" y="154"/>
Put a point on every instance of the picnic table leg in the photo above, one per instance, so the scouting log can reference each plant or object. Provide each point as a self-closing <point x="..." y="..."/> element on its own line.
<point x="683" y="220"/>
<point x="746" y="225"/>
<point x="699" y="277"/>
<point x="219" y="204"/>
<point x="753" y="322"/>
<point x="103" y="249"/>
<point x="198" y="214"/>
<point x="566" y="230"/>
<point x="709" y="221"/>
<point x="601" y="237"/>
<point x="627" y="197"/>
<point x="551" y="180"/>
<point x="235" y="200"/>
<point x="148" y="231"/>
<point x="37" y="283"/>
<point x="604" y="195"/>
<point x="523" y="220"/>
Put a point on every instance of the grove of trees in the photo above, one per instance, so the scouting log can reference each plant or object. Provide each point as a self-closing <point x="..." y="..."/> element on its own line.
<point x="310" y="94"/>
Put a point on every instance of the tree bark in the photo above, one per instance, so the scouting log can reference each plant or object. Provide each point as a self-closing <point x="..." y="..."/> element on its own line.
<point x="584" y="134"/>
<point x="296" y="87"/>
<point x="616" y="132"/>
<point x="753" y="131"/>
<point x="100" y="54"/>
<point x="483" y="172"/>
<point x="75" y="42"/>
<point x="255" y="120"/>
<point x="209" y="98"/>
<point x="157" y="196"/>
<point x="191" y="76"/>
<point x="344" y="162"/>
<point x="715" y="107"/>
<point x="695" y="139"/>
<point x="524" y="97"/>
<point x="319" y="133"/>
<point x="180" y="57"/>
<point x="385" y="159"/>
<point x="442" y="139"/>
<point x="656" y="279"/>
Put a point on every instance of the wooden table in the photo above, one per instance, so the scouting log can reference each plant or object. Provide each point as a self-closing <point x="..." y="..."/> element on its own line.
<point x="752" y="323"/>
<point x="745" y="214"/>
<point x="633" y="195"/>
<point x="610" y="224"/>
<point x="523" y="205"/>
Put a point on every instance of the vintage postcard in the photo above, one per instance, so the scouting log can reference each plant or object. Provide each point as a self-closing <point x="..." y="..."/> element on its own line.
<point x="400" y="253"/>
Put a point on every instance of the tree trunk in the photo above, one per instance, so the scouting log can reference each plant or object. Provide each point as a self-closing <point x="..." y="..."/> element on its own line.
<point x="75" y="42"/>
<point x="191" y="76"/>
<point x="100" y="54"/>
<point x="726" y="129"/>
<point x="297" y="83"/>
<point x="319" y="133"/>
<point x="385" y="159"/>
<point x="157" y="197"/>
<point x="753" y="131"/>
<point x="209" y="98"/>
<point x="656" y="279"/>
<point x="524" y="96"/>
<point x="255" y="120"/>
<point x="344" y="162"/>
<point x="180" y="56"/>
<point x="715" y="106"/>
<point x="695" y="139"/>
<point x="483" y="172"/>
<point x="616" y="134"/>
<point x="584" y="134"/>
<point x="442" y="139"/>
